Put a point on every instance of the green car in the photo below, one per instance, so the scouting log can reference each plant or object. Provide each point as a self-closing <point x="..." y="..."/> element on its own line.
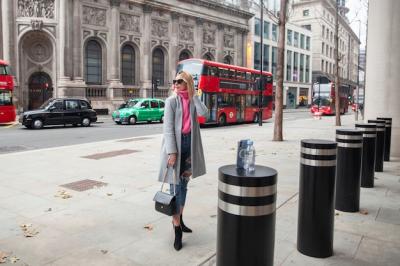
<point x="143" y="109"/>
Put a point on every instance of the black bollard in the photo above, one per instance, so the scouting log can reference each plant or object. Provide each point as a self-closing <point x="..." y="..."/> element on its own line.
<point x="379" y="144"/>
<point x="316" y="198"/>
<point x="368" y="154"/>
<point x="388" y="136"/>
<point x="348" y="167"/>
<point x="246" y="216"/>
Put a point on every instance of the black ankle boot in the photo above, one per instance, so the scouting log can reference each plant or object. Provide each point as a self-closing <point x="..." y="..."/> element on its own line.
<point x="185" y="229"/>
<point x="178" y="238"/>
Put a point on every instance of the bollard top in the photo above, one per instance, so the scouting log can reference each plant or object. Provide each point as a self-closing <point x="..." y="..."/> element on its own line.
<point x="262" y="176"/>
<point x="318" y="144"/>
<point x="385" y="118"/>
<point x="366" y="125"/>
<point x="379" y="123"/>
<point x="349" y="131"/>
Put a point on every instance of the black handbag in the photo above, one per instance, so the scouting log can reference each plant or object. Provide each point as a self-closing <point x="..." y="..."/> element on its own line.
<point x="165" y="202"/>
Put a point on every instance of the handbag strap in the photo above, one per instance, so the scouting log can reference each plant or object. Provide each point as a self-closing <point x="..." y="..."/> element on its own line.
<point x="165" y="176"/>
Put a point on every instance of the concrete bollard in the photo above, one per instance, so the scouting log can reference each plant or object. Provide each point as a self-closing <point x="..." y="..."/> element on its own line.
<point x="246" y="216"/>
<point x="316" y="198"/>
<point x="368" y="154"/>
<point x="379" y="144"/>
<point x="388" y="136"/>
<point x="348" y="168"/>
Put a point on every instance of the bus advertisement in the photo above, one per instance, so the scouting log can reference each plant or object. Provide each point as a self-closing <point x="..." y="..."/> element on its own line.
<point x="231" y="93"/>
<point x="7" y="109"/>
<point x="324" y="98"/>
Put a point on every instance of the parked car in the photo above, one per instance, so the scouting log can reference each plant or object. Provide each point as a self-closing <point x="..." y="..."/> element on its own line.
<point x="60" y="111"/>
<point x="141" y="109"/>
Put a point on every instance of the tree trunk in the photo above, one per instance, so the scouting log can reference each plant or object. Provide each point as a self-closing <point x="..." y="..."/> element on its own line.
<point x="337" y="84"/>
<point x="278" y="123"/>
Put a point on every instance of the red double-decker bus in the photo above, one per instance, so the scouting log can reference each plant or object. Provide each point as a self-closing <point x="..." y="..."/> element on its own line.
<point x="324" y="98"/>
<point x="7" y="109"/>
<point x="230" y="92"/>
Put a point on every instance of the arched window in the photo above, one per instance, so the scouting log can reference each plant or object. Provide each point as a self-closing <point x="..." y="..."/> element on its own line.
<point x="128" y="65"/>
<point x="158" y="65"/>
<point x="208" y="57"/>
<point x="184" y="55"/>
<point x="93" y="63"/>
<point x="228" y="60"/>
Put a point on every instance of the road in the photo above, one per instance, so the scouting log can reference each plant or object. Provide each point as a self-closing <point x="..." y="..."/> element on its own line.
<point x="18" y="138"/>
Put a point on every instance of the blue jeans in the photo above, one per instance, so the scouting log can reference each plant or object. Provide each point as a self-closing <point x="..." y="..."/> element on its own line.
<point x="181" y="188"/>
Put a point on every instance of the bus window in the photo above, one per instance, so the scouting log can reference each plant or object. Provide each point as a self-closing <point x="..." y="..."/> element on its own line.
<point x="231" y="74"/>
<point x="214" y="71"/>
<point x="248" y="100"/>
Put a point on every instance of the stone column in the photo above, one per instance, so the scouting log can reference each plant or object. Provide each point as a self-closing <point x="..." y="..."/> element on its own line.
<point x="198" y="38"/>
<point x="7" y="14"/>
<point x="173" y="53"/>
<point x="382" y="92"/>
<point x="220" y="43"/>
<point x="9" y="46"/>
<point x="77" y="44"/>
<point x="62" y="40"/>
<point x="114" y="80"/>
<point x="145" y="73"/>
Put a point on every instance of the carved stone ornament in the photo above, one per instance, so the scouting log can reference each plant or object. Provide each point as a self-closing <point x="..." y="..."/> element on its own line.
<point x="86" y="33"/>
<point x="129" y="23"/>
<point x="36" y="8"/>
<point x="159" y="28"/>
<point x="36" y="24"/>
<point x="94" y="16"/>
<point x="229" y="41"/>
<point x="38" y="47"/>
<point x="186" y="33"/>
<point x="209" y="36"/>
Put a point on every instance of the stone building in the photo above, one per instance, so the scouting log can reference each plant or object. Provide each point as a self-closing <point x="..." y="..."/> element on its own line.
<point x="319" y="17"/>
<point x="111" y="50"/>
<point x="298" y="54"/>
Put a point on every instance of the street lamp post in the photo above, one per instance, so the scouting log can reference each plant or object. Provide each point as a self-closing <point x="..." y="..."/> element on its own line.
<point x="358" y="70"/>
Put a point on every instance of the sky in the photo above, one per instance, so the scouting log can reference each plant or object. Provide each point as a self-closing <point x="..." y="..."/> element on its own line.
<point x="358" y="12"/>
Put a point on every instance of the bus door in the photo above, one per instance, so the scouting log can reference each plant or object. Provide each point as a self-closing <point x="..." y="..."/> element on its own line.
<point x="240" y="107"/>
<point x="210" y="100"/>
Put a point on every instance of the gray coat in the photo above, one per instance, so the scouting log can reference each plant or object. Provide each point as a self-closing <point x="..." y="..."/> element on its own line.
<point x="171" y="142"/>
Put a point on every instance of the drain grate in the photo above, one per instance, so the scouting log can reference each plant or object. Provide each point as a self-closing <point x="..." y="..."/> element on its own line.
<point x="84" y="185"/>
<point x="133" y="139"/>
<point x="99" y="156"/>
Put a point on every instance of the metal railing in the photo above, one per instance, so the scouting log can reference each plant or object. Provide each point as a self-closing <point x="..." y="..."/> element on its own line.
<point x="97" y="93"/>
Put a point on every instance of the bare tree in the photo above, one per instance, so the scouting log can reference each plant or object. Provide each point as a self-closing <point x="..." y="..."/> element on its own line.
<point x="337" y="59"/>
<point x="278" y="123"/>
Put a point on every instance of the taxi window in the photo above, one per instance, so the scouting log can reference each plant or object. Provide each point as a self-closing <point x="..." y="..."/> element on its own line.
<point x="71" y="105"/>
<point x="145" y="104"/>
<point x="154" y="104"/>
<point x="162" y="104"/>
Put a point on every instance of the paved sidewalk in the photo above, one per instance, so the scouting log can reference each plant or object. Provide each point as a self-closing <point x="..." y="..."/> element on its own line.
<point x="106" y="225"/>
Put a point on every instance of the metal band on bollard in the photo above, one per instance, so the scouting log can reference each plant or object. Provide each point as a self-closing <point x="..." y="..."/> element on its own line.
<point x="246" y="216"/>
<point x="379" y="144"/>
<point x="368" y="154"/>
<point x="388" y="136"/>
<point x="350" y="143"/>
<point x="316" y="198"/>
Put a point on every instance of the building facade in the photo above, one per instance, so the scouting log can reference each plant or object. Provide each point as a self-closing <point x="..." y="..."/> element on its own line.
<point x="110" y="50"/>
<point x="298" y="55"/>
<point x="319" y="17"/>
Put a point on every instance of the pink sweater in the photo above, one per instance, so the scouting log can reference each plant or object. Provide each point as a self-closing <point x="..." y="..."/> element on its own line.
<point x="186" y="123"/>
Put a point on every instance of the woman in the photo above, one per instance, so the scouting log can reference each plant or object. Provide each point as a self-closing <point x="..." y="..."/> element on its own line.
<point x="181" y="148"/>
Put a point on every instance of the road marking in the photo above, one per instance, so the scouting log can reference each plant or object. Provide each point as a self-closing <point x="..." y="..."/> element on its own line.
<point x="10" y="125"/>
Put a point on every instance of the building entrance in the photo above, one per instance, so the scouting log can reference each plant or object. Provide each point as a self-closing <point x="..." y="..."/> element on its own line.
<point x="40" y="89"/>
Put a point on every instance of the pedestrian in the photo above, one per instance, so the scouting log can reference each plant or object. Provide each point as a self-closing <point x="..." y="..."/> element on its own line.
<point x="182" y="148"/>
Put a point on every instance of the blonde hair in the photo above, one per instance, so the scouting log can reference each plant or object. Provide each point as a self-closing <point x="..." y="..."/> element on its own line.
<point x="188" y="80"/>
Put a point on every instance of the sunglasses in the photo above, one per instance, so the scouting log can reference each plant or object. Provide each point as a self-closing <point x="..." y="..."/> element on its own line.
<point x="178" y="81"/>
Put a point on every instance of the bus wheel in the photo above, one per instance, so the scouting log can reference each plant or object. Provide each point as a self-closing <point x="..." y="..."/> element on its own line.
<point x="255" y="119"/>
<point x="222" y="120"/>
